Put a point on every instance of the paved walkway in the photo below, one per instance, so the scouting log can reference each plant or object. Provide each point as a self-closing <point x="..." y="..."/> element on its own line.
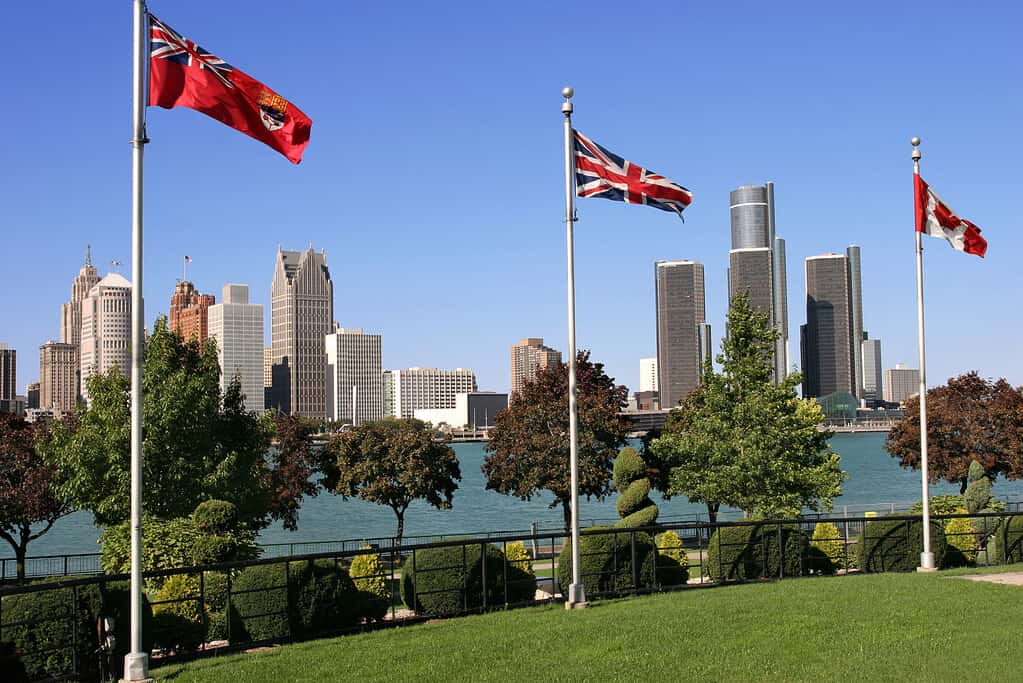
<point x="1008" y="578"/>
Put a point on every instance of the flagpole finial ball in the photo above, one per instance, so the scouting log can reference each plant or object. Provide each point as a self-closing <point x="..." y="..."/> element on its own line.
<point x="567" y="92"/>
<point x="915" y="141"/>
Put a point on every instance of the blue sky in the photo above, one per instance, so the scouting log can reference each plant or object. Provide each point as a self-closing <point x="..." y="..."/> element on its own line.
<point x="435" y="181"/>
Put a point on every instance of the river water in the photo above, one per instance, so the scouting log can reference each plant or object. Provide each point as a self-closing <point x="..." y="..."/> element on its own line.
<point x="875" y="481"/>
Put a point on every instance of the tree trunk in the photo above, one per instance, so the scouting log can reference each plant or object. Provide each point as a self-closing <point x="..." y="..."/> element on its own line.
<point x="566" y="509"/>
<point x="963" y="483"/>
<point x="401" y="525"/>
<point x="712" y="512"/>
<point x="19" y="558"/>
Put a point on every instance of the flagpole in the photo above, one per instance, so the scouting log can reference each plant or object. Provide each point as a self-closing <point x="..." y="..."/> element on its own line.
<point x="576" y="596"/>
<point x="136" y="662"/>
<point x="926" y="557"/>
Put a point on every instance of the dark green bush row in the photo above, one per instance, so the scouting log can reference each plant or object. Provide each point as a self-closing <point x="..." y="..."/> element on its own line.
<point x="1006" y="542"/>
<point x="739" y="553"/>
<point x="606" y="564"/>
<point x="894" y="545"/>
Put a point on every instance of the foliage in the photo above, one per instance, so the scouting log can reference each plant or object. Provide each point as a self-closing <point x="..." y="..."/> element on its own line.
<point x="944" y="504"/>
<point x="969" y="419"/>
<point x="367" y="571"/>
<point x="740" y="440"/>
<point x="449" y="580"/>
<point x="753" y="551"/>
<point x="28" y="488"/>
<point x="294" y="463"/>
<point x="394" y="462"/>
<point x="961" y="537"/>
<point x="1006" y="542"/>
<point x="519" y="558"/>
<point x="978" y="488"/>
<point x="222" y="538"/>
<point x="606" y="562"/>
<point x="892" y="545"/>
<point x="217" y="517"/>
<point x="828" y="541"/>
<point x="634" y="505"/>
<point x="672" y="560"/>
<point x="292" y="600"/>
<point x="528" y="450"/>
<point x="166" y="544"/>
<point x="179" y="624"/>
<point x="62" y="628"/>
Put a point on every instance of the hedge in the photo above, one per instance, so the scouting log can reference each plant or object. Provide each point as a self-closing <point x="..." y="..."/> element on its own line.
<point x="1006" y="542"/>
<point x="178" y="615"/>
<point x="606" y="566"/>
<point x="449" y="579"/>
<point x="739" y="553"/>
<point x="367" y="571"/>
<point x="894" y="545"/>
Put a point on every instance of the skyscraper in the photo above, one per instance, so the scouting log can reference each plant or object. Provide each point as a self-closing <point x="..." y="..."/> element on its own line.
<point x="106" y="329"/>
<point x="756" y="263"/>
<point x="237" y="326"/>
<point x="8" y="373"/>
<point x="354" y="362"/>
<point x="301" y="315"/>
<point x="852" y="253"/>
<point x="873" y="384"/>
<point x="680" y="328"/>
<point x="829" y="342"/>
<point x="648" y="374"/>
<point x="415" y="389"/>
<point x="528" y="356"/>
<point x="189" y="312"/>
<point x="58" y="377"/>
<point x="71" y="313"/>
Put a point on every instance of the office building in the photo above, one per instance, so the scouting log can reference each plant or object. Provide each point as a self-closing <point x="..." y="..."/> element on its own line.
<point x="831" y="339"/>
<point x="58" y="378"/>
<point x="680" y="329"/>
<point x="901" y="383"/>
<point x="8" y="373"/>
<point x="189" y="312"/>
<point x="237" y="326"/>
<point x="475" y="411"/>
<point x="528" y="357"/>
<point x="71" y="312"/>
<point x="756" y="263"/>
<point x="301" y="315"/>
<point x="873" y="377"/>
<point x="106" y="329"/>
<point x="355" y="391"/>
<point x="32" y="394"/>
<point x="647" y="374"/>
<point x="407" y="391"/>
<point x="268" y="364"/>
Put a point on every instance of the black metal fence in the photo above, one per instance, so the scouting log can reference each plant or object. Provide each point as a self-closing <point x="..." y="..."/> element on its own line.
<point x="241" y="604"/>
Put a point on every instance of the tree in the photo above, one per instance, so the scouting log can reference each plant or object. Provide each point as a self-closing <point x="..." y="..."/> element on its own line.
<point x="28" y="495"/>
<point x="970" y="418"/>
<point x="740" y="440"/>
<point x="294" y="463"/>
<point x="529" y="444"/>
<point x="393" y="462"/>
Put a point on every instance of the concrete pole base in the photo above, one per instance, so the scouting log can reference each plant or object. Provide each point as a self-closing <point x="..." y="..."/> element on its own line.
<point x="576" y="598"/>
<point x="136" y="668"/>
<point x="577" y="605"/>
<point x="927" y="563"/>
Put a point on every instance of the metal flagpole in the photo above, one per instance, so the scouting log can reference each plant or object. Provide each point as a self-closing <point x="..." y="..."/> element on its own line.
<point x="136" y="662"/>
<point x="926" y="557"/>
<point x="576" y="595"/>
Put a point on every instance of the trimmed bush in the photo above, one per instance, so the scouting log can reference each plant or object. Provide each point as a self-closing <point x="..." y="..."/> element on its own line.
<point x="66" y="628"/>
<point x="367" y="571"/>
<point x="216" y="605"/>
<point x="942" y="504"/>
<point x="634" y="505"/>
<point x="830" y="550"/>
<point x="605" y="562"/>
<point x="672" y="560"/>
<point x="179" y="625"/>
<point x="1006" y="542"/>
<point x="894" y="545"/>
<point x="740" y="553"/>
<point x="217" y="517"/>
<point x="449" y="580"/>
<point x="166" y="544"/>
<point x="961" y="537"/>
<point x="298" y="600"/>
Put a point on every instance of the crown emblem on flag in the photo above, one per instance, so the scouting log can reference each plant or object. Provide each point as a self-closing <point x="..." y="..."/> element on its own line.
<point x="271" y="109"/>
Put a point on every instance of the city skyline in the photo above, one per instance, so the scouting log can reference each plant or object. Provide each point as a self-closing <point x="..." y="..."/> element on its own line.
<point x="831" y="130"/>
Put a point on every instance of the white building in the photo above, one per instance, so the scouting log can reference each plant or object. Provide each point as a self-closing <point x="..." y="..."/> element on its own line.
<point x="648" y="374"/>
<point x="106" y="329"/>
<point x="355" y="391"/>
<point x="415" y="389"/>
<point x="237" y="327"/>
<point x="476" y="410"/>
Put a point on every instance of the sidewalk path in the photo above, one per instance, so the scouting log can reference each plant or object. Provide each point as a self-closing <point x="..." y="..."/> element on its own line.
<point x="1008" y="578"/>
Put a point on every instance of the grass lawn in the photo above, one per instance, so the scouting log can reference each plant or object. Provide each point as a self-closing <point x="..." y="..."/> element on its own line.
<point x="880" y="627"/>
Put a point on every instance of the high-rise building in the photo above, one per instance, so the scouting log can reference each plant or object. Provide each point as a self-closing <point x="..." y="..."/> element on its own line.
<point x="32" y="394"/>
<point x="873" y="383"/>
<point x="58" y="377"/>
<point x="901" y="383"/>
<point x="647" y="374"/>
<point x="680" y="328"/>
<point x="355" y="390"/>
<point x="301" y="315"/>
<point x="189" y="312"/>
<point x="425" y="389"/>
<point x="106" y="329"/>
<point x="71" y="312"/>
<point x="8" y="373"/>
<point x="237" y="326"/>
<point x="830" y="340"/>
<point x="756" y="263"/>
<point x="268" y="364"/>
<point x="528" y="357"/>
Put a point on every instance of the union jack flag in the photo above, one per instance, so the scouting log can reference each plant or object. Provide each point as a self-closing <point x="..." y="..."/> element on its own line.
<point x="166" y="43"/>
<point x="601" y="173"/>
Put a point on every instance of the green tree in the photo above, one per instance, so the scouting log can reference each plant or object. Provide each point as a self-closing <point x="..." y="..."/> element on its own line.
<point x="529" y="444"/>
<point x="742" y="441"/>
<point x="969" y="418"/>
<point x="393" y="462"/>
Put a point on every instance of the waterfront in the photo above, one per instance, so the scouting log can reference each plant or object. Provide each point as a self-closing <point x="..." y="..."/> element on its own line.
<point x="875" y="479"/>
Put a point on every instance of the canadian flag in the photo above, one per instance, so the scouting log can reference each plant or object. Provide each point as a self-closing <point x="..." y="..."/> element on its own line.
<point x="934" y="218"/>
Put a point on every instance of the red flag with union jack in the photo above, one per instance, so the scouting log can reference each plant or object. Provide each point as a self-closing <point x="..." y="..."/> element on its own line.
<point x="601" y="173"/>
<point x="934" y="218"/>
<point x="182" y="74"/>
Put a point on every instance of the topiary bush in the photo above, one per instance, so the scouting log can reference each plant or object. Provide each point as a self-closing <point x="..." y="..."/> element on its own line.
<point x="893" y="545"/>
<point x="216" y="517"/>
<point x="518" y="557"/>
<point x="221" y="538"/>
<point x="634" y="505"/>
<point x="961" y="537"/>
<point x="672" y="561"/>
<point x="740" y="553"/>
<point x="367" y="571"/>
<point x="605" y="562"/>
<point x="179" y="625"/>
<point x="449" y="579"/>
<point x="166" y="544"/>
<point x="65" y="629"/>
<point x="1006" y="542"/>
<point x="215" y="592"/>
<point x="830" y="554"/>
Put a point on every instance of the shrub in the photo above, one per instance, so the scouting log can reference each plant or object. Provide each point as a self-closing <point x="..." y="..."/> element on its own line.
<point x="449" y="579"/>
<point x="961" y="537"/>
<point x="215" y="591"/>
<point x="605" y="562"/>
<point x="944" y="504"/>
<point x="65" y="629"/>
<point x="179" y="625"/>
<point x="831" y="552"/>
<point x="367" y="571"/>
<point x="634" y="505"/>
<point x="739" y="553"/>
<point x="672" y="560"/>
<point x="1006" y="542"/>
<point x="294" y="600"/>
<point x="889" y="545"/>
<point x="217" y="517"/>
<point x="216" y="549"/>
<point x="519" y="557"/>
<point x="166" y="544"/>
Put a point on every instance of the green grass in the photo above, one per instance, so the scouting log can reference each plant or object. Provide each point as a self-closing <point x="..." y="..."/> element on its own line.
<point x="882" y="627"/>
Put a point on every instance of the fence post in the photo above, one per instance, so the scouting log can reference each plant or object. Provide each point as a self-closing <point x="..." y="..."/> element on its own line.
<point x="781" y="554"/>
<point x="483" y="573"/>
<point x="532" y="541"/>
<point x="635" y="563"/>
<point x="228" y="605"/>
<point x="202" y="607"/>
<point x="65" y="565"/>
